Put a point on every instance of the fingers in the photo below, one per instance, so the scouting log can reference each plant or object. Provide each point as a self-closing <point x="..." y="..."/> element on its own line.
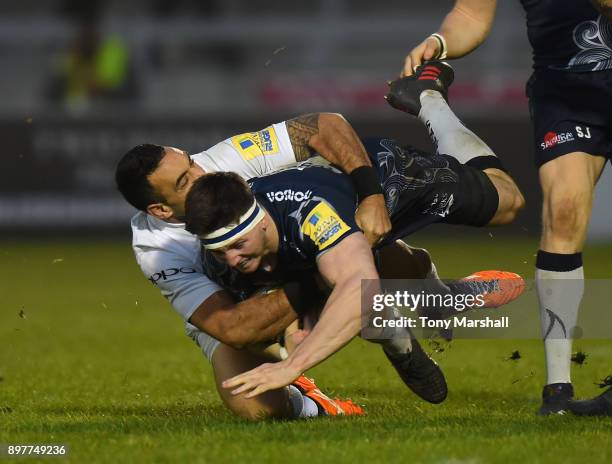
<point x="413" y="59"/>
<point x="407" y="69"/>
<point x="431" y="51"/>
<point x="236" y="381"/>
<point x="426" y="50"/>
<point x="245" y="387"/>
<point x="378" y="237"/>
<point x="252" y="389"/>
<point x="245" y="376"/>
<point x="371" y="238"/>
<point x="247" y="382"/>
<point x="411" y="62"/>
<point x="377" y="232"/>
<point x="253" y="382"/>
<point x="375" y="237"/>
<point x="257" y="391"/>
<point x="372" y="234"/>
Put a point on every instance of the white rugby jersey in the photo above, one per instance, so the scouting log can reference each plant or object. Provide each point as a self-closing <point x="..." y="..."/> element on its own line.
<point x="167" y="254"/>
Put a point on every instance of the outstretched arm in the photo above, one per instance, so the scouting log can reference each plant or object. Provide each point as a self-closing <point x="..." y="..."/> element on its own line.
<point x="344" y="267"/>
<point x="332" y="137"/>
<point x="464" y="28"/>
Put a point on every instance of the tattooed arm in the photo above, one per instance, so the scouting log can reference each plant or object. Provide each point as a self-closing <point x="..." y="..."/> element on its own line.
<point x="332" y="137"/>
<point x="329" y="135"/>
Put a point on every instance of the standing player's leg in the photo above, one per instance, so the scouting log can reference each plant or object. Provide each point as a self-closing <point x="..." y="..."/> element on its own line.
<point x="572" y="127"/>
<point x="567" y="184"/>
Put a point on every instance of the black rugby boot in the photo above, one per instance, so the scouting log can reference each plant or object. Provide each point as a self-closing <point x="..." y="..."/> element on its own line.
<point x="599" y="406"/>
<point x="405" y="93"/>
<point x="556" y="398"/>
<point x="420" y="373"/>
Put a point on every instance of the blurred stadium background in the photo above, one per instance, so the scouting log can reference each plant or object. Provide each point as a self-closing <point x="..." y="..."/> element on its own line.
<point x="82" y="82"/>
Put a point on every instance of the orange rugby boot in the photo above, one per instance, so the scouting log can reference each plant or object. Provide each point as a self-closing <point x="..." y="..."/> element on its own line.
<point x="335" y="407"/>
<point x="496" y="288"/>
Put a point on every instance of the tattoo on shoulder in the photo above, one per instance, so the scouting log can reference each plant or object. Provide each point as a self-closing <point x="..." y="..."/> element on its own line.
<point x="300" y="130"/>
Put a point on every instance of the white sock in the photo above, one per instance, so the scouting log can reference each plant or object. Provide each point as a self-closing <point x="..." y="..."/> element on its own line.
<point x="398" y="339"/>
<point x="559" y="292"/>
<point x="447" y="132"/>
<point x="301" y="405"/>
<point x="310" y="408"/>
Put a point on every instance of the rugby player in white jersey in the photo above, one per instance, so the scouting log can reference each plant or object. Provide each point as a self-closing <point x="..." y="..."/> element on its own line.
<point x="156" y="179"/>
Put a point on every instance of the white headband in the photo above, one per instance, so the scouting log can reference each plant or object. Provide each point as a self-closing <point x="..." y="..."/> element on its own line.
<point x="247" y="222"/>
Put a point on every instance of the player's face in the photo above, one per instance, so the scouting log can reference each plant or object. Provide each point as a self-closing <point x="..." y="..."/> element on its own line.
<point x="246" y="253"/>
<point x="173" y="178"/>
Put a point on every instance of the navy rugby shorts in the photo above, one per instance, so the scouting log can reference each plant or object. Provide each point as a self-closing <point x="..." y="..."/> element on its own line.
<point x="422" y="188"/>
<point x="570" y="111"/>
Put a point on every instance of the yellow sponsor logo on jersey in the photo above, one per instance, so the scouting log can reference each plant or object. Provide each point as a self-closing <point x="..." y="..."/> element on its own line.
<point x="324" y="226"/>
<point x="253" y="144"/>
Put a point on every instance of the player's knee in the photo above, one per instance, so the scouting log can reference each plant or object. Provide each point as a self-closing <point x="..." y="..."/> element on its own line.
<point x="269" y="405"/>
<point x="518" y="204"/>
<point x="258" y="409"/>
<point x="511" y="205"/>
<point x="566" y="215"/>
<point x="256" y="415"/>
<point x="251" y="416"/>
<point x="509" y="196"/>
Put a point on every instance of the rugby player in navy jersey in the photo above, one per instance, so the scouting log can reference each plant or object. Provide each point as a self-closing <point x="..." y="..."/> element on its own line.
<point x="570" y="96"/>
<point x="301" y="220"/>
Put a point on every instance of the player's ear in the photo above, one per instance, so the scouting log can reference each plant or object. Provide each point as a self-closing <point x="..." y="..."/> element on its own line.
<point x="160" y="210"/>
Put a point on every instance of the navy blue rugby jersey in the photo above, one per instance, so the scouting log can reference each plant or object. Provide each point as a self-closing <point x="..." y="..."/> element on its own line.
<point x="313" y="207"/>
<point x="568" y="35"/>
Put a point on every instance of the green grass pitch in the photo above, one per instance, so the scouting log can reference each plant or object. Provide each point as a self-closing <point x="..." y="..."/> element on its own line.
<point x="93" y="357"/>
